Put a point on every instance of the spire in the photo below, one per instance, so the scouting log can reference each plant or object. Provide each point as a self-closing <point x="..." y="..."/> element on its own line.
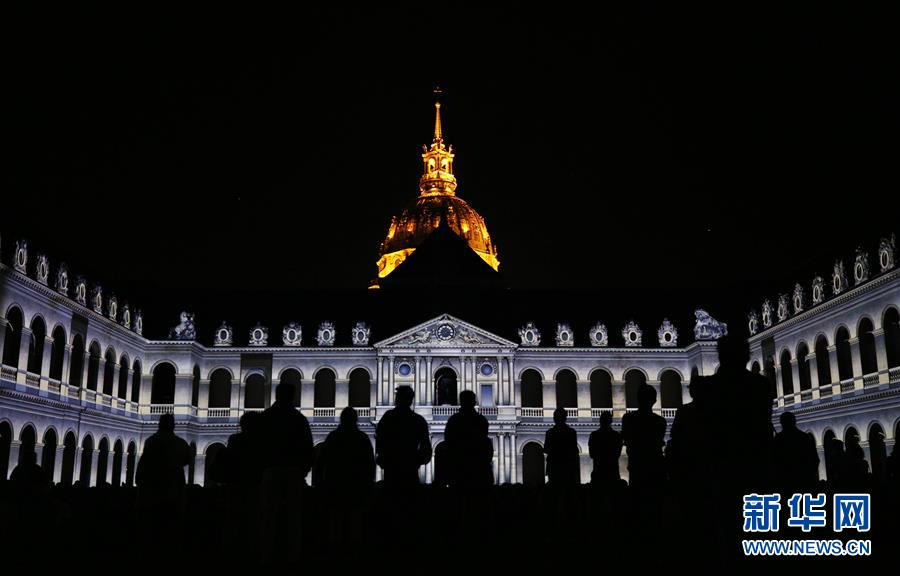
<point x="437" y="176"/>
<point x="438" y="136"/>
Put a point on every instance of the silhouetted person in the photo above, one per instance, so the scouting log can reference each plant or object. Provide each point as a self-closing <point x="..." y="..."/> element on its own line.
<point x="469" y="450"/>
<point x="402" y="443"/>
<point x="289" y="457"/>
<point x="347" y="462"/>
<point x="643" y="433"/>
<point x="605" y="447"/>
<point x="856" y="466"/>
<point x="30" y="507"/>
<point x="561" y="448"/>
<point x="244" y="460"/>
<point x="796" y="458"/>
<point x="28" y="475"/>
<point x="161" y="485"/>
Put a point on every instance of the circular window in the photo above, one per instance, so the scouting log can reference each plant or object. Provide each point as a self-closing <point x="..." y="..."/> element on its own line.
<point x="223" y="334"/>
<point x="487" y="369"/>
<point x="43" y="268"/>
<point x="326" y="335"/>
<point x="20" y="258"/>
<point x="885" y="259"/>
<point x="445" y="332"/>
<point x="858" y="272"/>
<point x="258" y="334"/>
<point x="529" y="336"/>
<point x="564" y="336"/>
<point x="797" y="302"/>
<point x="817" y="293"/>
<point x="632" y="336"/>
<point x="292" y="335"/>
<point x="667" y="337"/>
<point x="837" y="284"/>
<point x="404" y="369"/>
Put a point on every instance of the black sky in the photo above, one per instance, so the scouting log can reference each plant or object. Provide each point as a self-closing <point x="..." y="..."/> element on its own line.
<point x="684" y="156"/>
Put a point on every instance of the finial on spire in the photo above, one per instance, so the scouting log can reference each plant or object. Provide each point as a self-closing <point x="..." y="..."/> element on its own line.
<point x="438" y="134"/>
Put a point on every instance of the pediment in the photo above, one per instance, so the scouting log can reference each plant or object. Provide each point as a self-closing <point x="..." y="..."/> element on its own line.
<point x="445" y="331"/>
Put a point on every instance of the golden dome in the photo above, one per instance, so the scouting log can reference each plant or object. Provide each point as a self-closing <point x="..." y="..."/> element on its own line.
<point x="437" y="201"/>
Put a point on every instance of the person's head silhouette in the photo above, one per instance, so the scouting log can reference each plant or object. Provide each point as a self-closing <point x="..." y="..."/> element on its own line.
<point x="348" y="417"/>
<point x="734" y="352"/>
<point x="605" y="419"/>
<point x="250" y="421"/>
<point x="646" y="397"/>
<point x="467" y="400"/>
<point x="403" y="397"/>
<point x="284" y="393"/>
<point x="167" y="423"/>
<point x="560" y="416"/>
<point x="788" y="421"/>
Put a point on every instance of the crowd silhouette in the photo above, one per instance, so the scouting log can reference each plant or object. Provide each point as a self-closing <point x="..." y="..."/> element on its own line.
<point x="681" y="505"/>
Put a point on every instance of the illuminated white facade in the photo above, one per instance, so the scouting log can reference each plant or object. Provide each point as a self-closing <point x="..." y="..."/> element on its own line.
<point x="84" y="387"/>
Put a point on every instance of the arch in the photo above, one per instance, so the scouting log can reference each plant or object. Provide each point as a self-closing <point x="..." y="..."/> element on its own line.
<point x="93" y="365"/>
<point x="211" y="466"/>
<point x="13" y="341"/>
<point x="890" y="321"/>
<point x="601" y="389"/>
<point x="27" y="443"/>
<point x="117" y="462"/>
<point x="293" y="377"/>
<point x="291" y="369"/>
<point x="195" y="387"/>
<point x="842" y="349"/>
<point x="48" y="454"/>
<point x="877" y="451"/>
<point x="533" y="470"/>
<point x="755" y="367"/>
<point x="634" y="379"/>
<point x="823" y="363"/>
<point x="850" y="433"/>
<point x="867" y="358"/>
<point x="670" y="389"/>
<point x="532" y="389"/>
<point x="87" y="454"/>
<point x="220" y="388"/>
<point x="136" y="381"/>
<point x="130" y="461"/>
<point x="102" y="461"/>
<point x="803" y="367"/>
<point x="70" y="445"/>
<point x="122" y="391"/>
<point x="109" y="371"/>
<point x="566" y="388"/>
<point x="57" y="353"/>
<point x="255" y="391"/>
<point x="445" y="386"/>
<point x="36" y="346"/>
<point x="162" y="385"/>
<point x="76" y="361"/>
<point x="360" y="387"/>
<point x="787" y="374"/>
<point x="324" y="388"/>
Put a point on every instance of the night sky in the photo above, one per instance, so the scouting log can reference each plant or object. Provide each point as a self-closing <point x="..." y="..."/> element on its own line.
<point x="641" y="155"/>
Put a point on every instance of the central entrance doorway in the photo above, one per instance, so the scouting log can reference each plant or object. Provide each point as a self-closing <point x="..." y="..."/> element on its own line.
<point x="445" y="387"/>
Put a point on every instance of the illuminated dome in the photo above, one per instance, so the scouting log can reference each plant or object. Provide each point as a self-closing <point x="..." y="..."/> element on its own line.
<point x="437" y="201"/>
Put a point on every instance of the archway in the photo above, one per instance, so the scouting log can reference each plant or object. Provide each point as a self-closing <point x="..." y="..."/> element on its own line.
<point x="755" y="367"/>
<point x="601" y="389"/>
<point x="117" y="463"/>
<point x="532" y="389"/>
<point x="162" y="385"/>
<point x="787" y="377"/>
<point x="220" y="388"/>
<point x="360" y="392"/>
<point x="195" y="387"/>
<point x="76" y="361"/>
<point x="93" y="365"/>
<point x="533" y="464"/>
<point x="877" y="452"/>
<point x="670" y="389"/>
<point x="445" y="387"/>
<point x="36" y="346"/>
<point x="13" y="341"/>
<point x="566" y="389"/>
<point x="5" y="442"/>
<point x="842" y="349"/>
<point x="48" y="455"/>
<point x="891" y="323"/>
<point x="803" y="371"/>
<point x="634" y="379"/>
<point x="867" y="357"/>
<point x="87" y="455"/>
<point x="324" y="389"/>
<point x="823" y="365"/>
<point x="136" y="381"/>
<point x="255" y="391"/>
<point x="122" y="392"/>
<point x="130" y="461"/>
<point x="109" y="372"/>
<point x="70" y="445"/>
<point x="27" y="443"/>
<point x="292" y="377"/>
<point x="102" y="461"/>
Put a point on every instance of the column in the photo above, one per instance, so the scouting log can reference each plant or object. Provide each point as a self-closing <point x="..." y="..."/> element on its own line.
<point x="76" y="467"/>
<point x="129" y="390"/>
<point x="514" y="459"/>
<point x="417" y="382"/>
<point x="779" y="385"/>
<point x="618" y="396"/>
<point x="64" y="377"/>
<point x="24" y="345"/>
<point x="85" y="368"/>
<point x="203" y="399"/>
<point x="199" y="468"/>
<point x="881" y="356"/>
<point x="45" y="362"/>
<point x="795" y="376"/>
<point x="475" y="388"/>
<point x="462" y="374"/>
<point x="501" y="458"/>
<point x="341" y="395"/>
<point x="857" y="364"/>
<point x="95" y="458"/>
<point x="58" y="464"/>
<point x="549" y="395"/>
<point x="13" y="456"/>
<point x="236" y="400"/>
<point x="3" y="324"/>
<point x="501" y="382"/>
<point x="814" y="374"/>
<point x="584" y="398"/>
<point x="390" y="391"/>
<point x="183" y="389"/>
<point x="101" y="376"/>
<point x="378" y="389"/>
<point x="429" y="382"/>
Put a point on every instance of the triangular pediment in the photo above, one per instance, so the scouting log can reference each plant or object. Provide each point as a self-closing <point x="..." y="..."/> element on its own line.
<point x="445" y="331"/>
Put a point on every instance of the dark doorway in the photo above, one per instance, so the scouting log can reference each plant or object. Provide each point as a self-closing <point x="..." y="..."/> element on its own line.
<point x="445" y="387"/>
